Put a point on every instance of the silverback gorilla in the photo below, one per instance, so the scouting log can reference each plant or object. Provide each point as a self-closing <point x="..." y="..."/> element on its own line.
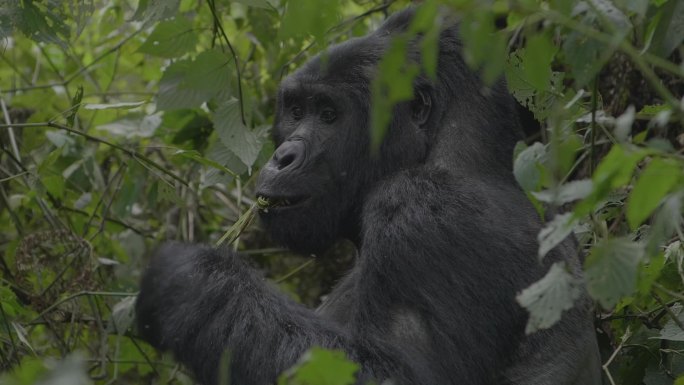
<point x="445" y="240"/>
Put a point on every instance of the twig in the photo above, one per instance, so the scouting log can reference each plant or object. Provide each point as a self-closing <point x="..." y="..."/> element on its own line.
<point x="624" y="338"/>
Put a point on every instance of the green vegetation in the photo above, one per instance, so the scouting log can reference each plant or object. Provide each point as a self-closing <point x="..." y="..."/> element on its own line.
<point x="127" y="122"/>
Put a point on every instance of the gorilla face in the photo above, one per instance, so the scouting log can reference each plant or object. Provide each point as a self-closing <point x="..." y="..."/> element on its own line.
<point x="314" y="182"/>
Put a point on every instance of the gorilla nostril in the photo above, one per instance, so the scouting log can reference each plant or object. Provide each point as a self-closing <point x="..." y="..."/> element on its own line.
<point x="289" y="155"/>
<point x="286" y="160"/>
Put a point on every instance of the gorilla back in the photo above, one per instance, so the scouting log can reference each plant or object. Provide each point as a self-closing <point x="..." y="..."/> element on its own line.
<point x="445" y="239"/>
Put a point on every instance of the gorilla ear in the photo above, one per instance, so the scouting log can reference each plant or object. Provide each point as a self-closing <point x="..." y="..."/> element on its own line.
<point x="421" y="106"/>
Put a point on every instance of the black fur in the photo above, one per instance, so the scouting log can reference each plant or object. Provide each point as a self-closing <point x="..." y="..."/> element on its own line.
<point x="445" y="237"/>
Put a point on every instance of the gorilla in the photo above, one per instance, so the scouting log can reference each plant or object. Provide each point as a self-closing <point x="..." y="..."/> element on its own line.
<point x="445" y="240"/>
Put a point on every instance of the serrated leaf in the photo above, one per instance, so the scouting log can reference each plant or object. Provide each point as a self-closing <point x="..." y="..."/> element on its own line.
<point x="569" y="192"/>
<point x="547" y="298"/>
<point x="611" y="269"/>
<point x="526" y="166"/>
<point x="189" y="83"/>
<point x="233" y="133"/>
<point x="555" y="232"/>
<point x="170" y="39"/>
<point x="657" y="179"/>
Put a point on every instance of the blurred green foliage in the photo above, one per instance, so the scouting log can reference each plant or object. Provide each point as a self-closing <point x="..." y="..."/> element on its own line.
<point x="128" y="122"/>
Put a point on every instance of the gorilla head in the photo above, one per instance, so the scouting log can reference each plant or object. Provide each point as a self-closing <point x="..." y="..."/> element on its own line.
<point x="317" y="179"/>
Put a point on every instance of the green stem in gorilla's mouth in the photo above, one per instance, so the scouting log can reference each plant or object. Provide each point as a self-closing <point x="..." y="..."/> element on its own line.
<point x="265" y="203"/>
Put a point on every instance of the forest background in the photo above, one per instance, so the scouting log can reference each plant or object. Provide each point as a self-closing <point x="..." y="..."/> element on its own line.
<point x="124" y="123"/>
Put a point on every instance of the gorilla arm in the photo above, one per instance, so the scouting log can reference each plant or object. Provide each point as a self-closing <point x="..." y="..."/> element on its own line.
<point x="197" y="302"/>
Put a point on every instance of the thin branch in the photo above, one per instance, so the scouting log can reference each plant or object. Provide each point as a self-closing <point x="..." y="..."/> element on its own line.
<point x="219" y="27"/>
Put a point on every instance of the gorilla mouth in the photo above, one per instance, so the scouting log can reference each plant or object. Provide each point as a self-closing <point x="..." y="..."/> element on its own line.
<point x="265" y="203"/>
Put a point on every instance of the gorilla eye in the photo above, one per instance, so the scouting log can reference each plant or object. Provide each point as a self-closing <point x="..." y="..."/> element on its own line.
<point x="297" y="112"/>
<point x="328" y="115"/>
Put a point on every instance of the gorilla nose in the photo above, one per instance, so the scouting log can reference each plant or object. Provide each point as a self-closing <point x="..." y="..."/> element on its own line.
<point x="289" y="155"/>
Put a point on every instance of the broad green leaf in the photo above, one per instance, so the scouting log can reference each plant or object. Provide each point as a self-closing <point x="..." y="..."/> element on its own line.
<point x="150" y="11"/>
<point x="321" y="367"/>
<point x="170" y="39"/>
<point x="566" y="193"/>
<point x="233" y="133"/>
<point x="555" y="232"/>
<point x="536" y="61"/>
<point x="478" y="31"/>
<point x="615" y="170"/>
<point x="671" y="331"/>
<point x="539" y="102"/>
<point x="547" y="298"/>
<point x="43" y="23"/>
<point x="309" y="18"/>
<point x="526" y="166"/>
<point x="669" y="33"/>
<point x="54" y="184"/>
<point x="611" y="269"/>
<point x="657" y="179"/>
<point x="189" y="83"/>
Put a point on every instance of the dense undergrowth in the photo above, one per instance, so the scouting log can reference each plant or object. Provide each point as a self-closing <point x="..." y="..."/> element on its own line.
<point x="126" y="122"/>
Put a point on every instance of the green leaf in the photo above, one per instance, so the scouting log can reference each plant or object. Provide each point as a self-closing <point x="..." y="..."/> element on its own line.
<point x="194" y="155"/>
<point x="150" y="11"/>
<point x="170" y="39"/>
<point x="43" y="23"/>
<point x="527" y="164"/>
<point x="555" y="232"/>
<point x="566" y="193"/>
<point x="478" y="31"/>
<point x="54" y="185"/>
<point x="669" y="33"/>
<point x="536" y="61"/>
<point x="233" y="133"/>
<point x="611" y="270"/>
<point x="393" y="85"/>
<point x="547" y="298"/>
<point x="189" y="83"/>
<point x="657" y="179"/>
<point x="122" y="317"/>
<point x="322" y="367"/>
<point x="309" y="18"/>
<point x="540" y="102"/>
<point x="256" y="3"/>
<point x="615" y="170"/>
